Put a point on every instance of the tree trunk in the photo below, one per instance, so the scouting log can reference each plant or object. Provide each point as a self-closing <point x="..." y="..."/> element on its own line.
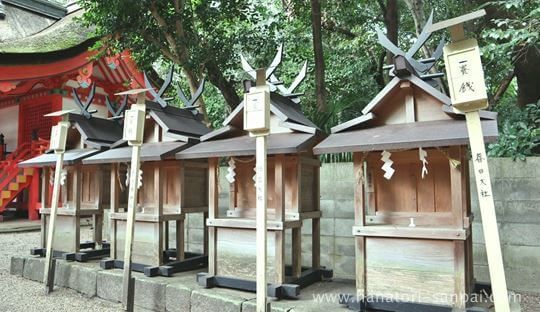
<point x="226" y="87"/>
<point x="419" y="17"/>
<point x="391" y="21"/>
<point x="316" y="26"/>
<point x="528" y="79"/>
<point x="501" y="89"/>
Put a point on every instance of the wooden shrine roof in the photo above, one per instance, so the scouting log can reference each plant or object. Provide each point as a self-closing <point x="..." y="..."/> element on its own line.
<point x="177" y="120"/>
<point x="279" y="143"/>
<point x="99" y="132"/>
<point x="291" y="111"/>
<point x="299" y="135"/>
<point x="149" y="152"/>
<point x="287" y="110"/>
<point x="49" y="159"/>
<point x="405" y="135"/>
<point x="387" y="91"/>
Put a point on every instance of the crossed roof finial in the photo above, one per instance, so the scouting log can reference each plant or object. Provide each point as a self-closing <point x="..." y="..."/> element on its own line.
<point x="417" y="67"/>
<point x="84" y="107"/>
<point x="158" y="96"/>
<point x="116" y="113"/>
<point x="271" y="78"/>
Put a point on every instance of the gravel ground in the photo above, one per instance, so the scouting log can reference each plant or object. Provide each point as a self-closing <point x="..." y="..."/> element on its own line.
<point x="530" y="302"/>
<point x="19" y="294"/>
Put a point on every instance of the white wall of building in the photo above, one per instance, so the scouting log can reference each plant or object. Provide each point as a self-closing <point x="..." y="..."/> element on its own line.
<point x="9" y="126"/>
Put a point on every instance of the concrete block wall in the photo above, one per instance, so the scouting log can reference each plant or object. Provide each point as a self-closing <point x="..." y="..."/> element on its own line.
<point x="516" y="191"/>
<point x="516" y="188"/>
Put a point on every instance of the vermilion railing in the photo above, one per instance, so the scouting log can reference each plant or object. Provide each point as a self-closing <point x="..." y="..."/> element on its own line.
<point x="9" y="169"/>
<point x="25" y="151"/>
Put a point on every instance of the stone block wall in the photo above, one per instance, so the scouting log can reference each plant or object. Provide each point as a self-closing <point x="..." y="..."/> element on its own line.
<point x="516" y="191"/>
<point x="516" y="188"/>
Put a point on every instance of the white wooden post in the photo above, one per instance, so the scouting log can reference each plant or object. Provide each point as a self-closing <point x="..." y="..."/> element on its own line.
<point x="58" y="144"/>
<point x="261" y="222"/>
<point x="487" y="210"/>
<point x="133" y="133"/>
<point x="468" y="92"/>
<point x="257" y="121"/>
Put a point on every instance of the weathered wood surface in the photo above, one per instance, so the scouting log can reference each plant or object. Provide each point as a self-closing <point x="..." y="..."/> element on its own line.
<point x="281" y="106"/>
<point x="407" y="191"/>
<point x="457" y="20"/>
<point x="249" y="223"/>
<point x="149" y="152"/>
<point x="146" y="248"/>
<point x="237" y="252"/>
<point x="99" y="130"/>
<point x="177" y="120"/>
<point x="213" y="212"/>
<point x="296" y="206"/>
<point x="70" y="157"/>
<point x="427" y="232"/>
<point x="404" y="136"/>
<point x="419" y="270"/>
<point x="66" y="234"/>
<point x="245" y="146"/>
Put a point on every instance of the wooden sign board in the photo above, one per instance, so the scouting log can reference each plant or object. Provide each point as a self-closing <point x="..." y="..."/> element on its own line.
<point x="133" y="132"/>
<point x="257" y="110"/>
<point x="59" y="136"/>
<point x="465" y="75"/>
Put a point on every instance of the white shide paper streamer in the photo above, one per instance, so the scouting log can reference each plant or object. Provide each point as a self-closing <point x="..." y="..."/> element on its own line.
<point x="387" y="167"/>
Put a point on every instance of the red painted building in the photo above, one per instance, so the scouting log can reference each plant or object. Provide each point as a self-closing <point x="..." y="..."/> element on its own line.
<point x="44" y="53"/>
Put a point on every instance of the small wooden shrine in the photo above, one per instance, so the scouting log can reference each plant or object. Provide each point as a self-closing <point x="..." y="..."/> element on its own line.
<point x="170" y="188"/>
<point x="293" y="198"/>
<point x="412" y="203"/>
<point x="84" y="189"/>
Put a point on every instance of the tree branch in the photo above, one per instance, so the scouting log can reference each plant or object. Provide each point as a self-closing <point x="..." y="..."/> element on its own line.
<point x="168" y="54"/>
<point x="330" y="25"/>
<point x="179" y="9"/>
<point x="163" y="27"/>
<point x="503" y="86"/>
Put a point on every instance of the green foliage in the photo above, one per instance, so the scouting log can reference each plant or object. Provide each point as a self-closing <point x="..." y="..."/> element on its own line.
<point x="506" y="39"/>
<point x="217" y="111"/>
<point x="218" y="31"/>
<point x="210" y="31"/>
<point x="519" y="131"/>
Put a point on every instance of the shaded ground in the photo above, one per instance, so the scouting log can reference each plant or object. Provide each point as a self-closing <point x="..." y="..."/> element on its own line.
<point x="19" y="294"/>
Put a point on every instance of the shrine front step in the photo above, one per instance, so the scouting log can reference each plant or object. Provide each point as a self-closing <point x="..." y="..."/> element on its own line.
<point x="177" y="293"/>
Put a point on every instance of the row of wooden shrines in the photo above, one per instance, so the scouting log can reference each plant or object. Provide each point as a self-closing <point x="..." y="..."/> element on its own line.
<point x="412" y="208"/>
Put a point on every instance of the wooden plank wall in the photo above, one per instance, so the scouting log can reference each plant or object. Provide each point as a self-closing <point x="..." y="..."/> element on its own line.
<point x="407" y="194"/>
<point x="420" y="270"/>
<point x="236" y="254"/>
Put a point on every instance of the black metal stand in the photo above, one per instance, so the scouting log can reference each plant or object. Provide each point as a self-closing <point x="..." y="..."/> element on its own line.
<point x="80" y="256"/>
<point x="373" y="303"/>
<point x="192" y="261"/>
<point x="281" y="291"/>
